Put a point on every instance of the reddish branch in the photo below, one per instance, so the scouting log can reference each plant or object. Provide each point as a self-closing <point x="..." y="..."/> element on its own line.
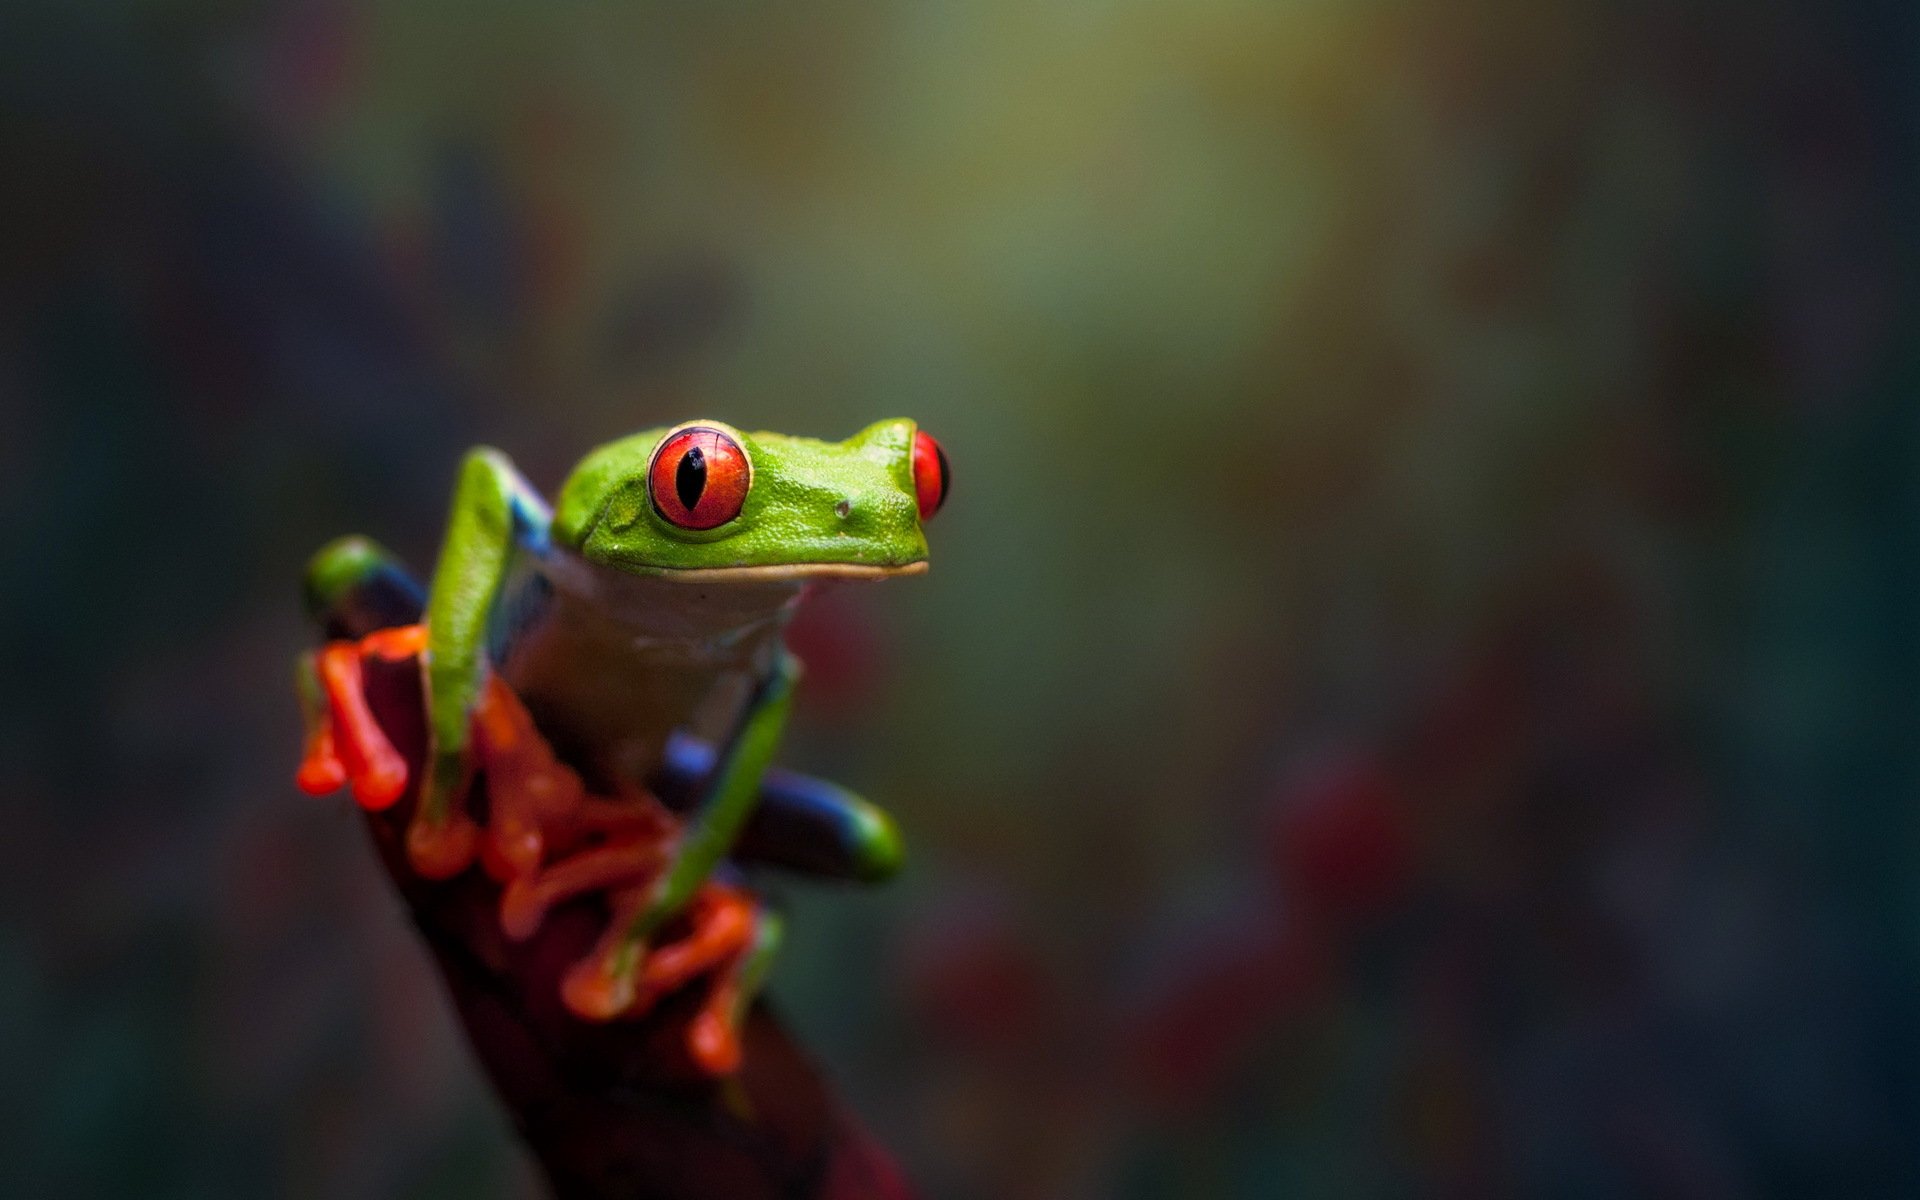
<point x="616" y="1111"/>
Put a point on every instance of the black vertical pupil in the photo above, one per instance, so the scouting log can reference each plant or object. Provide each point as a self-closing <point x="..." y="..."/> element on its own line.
<point x="691" y="478"/>
<point x="946" y="476"/>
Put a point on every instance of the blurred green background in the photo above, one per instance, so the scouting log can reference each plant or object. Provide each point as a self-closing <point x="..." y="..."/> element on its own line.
<point x="1416" y="695"/>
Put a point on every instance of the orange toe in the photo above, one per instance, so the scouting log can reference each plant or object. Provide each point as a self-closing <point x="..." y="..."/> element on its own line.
<point x="374" y="768"/>
<point x="321" y="771"/>
<point x="722" y="927"/>
<point x="594" y="991"/>
<point x="606" y="983"/>
<point x="441" y="850"/>
<point x="712" y="1041"/>
<point x="524" y="903"/>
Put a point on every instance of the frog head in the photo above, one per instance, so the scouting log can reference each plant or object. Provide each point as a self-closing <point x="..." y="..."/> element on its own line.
<point x="705" y="501"/>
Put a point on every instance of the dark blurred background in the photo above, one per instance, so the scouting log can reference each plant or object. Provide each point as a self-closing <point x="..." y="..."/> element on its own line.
<point x="1416" y="696"/>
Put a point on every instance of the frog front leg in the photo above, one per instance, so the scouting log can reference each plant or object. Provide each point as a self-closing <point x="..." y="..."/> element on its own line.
<point x="495" y="513"/>
<point x="608" y="983"/>
<point x="352" y="584"/>
<point x="355" y="590"/>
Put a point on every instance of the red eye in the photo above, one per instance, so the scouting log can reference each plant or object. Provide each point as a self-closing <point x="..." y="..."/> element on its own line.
<point x="931" y="478"/>
<point x="699" y="478"/>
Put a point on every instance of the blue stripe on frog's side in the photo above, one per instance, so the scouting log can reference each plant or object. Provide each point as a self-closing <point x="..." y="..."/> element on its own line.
<point x="526" y="599"/>
<point x="532" y="521"/>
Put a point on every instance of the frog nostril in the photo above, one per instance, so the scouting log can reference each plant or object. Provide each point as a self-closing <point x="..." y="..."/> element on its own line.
<point x="844" y="508"/>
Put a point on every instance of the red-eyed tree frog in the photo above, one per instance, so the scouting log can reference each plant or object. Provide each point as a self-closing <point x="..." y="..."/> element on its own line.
<point x="646" y="604"/>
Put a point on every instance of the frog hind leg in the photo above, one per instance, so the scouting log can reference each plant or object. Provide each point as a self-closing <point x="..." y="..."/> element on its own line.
<point x="799" y="823"/>
<point x="354" y="586"/>
<point x="366" y="603"/>
<point x="321" y="769"/>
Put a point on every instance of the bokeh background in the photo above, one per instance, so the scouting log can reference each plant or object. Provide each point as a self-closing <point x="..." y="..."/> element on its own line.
<point x="1416" y="696"/>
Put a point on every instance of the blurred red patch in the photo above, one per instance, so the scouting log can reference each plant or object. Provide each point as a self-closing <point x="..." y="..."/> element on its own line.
<point x="1340" y="841"/>
<point x="836" y="636"/>
<point x="974" y="981"/>
<point x="1227" y="999"/>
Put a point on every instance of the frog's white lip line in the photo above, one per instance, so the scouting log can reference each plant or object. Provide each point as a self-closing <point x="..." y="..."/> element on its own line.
<point x="777" y="572"/>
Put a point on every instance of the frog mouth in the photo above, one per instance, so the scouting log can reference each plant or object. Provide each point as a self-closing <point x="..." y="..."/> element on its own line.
<point x="784" y="572"/>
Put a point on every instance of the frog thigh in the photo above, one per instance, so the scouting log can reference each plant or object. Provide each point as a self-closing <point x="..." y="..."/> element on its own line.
<point x="355" y="586"/>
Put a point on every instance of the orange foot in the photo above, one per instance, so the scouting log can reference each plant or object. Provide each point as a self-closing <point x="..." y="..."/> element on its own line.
<point x="623" y="979"/>
<point x="345" y="745"/>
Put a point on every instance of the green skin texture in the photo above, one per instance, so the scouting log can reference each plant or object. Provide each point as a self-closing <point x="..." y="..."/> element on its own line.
<point x="813" y="509"/>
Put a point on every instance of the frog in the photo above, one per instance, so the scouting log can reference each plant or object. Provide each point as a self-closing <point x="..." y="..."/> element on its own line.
<point x="601" y="654"/>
